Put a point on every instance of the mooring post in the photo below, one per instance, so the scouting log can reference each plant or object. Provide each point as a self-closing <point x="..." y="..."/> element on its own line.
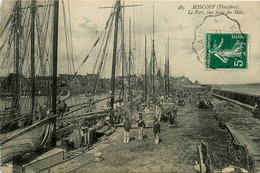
<point x="229" y="149"/>
<point x="246" y="157"/>
<point x="208" y="158"/>
<point x="200" y="159"/>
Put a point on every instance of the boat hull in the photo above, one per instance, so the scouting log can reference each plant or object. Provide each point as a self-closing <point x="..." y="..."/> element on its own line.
<point x="18" y="143"/>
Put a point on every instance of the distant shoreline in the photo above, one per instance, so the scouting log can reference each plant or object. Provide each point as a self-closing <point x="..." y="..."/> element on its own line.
<point x="233" y="84"/>
<point x="253" y="88"/>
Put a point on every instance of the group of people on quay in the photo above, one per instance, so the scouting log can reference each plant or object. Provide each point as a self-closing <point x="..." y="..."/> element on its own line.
<point x="137" y="112"/>
<point x="153" y="111"/>
<point x="140" y="126"/>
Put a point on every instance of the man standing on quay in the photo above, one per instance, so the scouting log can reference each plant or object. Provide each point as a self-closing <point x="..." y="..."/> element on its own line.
<point x="127" y="127"/>
<point x="156" y="130"/>
<point x="141" y="126"/>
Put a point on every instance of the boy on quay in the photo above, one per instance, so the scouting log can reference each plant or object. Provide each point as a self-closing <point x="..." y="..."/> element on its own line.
<point x="127" y="127"/>
<point x="158" y="112"/>
<point x="140" y="125"/>
<point x="156" y="130"/>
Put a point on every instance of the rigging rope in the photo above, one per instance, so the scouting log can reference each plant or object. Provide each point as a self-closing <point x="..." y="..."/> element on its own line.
<point x="41" y="37"/>
<point x="102" y="43"/>
<point x="104" y="52"/>
<point x="8" y="21"/>
<point x="68" y="46"/>
<point x="71" y="41"/>
<point x="10" y="42"/>
<point x="85" y="59"/>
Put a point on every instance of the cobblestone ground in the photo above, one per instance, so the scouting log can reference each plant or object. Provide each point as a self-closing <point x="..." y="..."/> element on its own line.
<point x="176" y="153"/>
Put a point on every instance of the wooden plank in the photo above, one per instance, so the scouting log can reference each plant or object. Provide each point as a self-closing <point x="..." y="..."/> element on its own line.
<point x="241" y="140"/>
<point x="46" y="160"/>
<point x="200" y="158"/>
<point x="230" y="131"/>
<point x="87" y="114"/>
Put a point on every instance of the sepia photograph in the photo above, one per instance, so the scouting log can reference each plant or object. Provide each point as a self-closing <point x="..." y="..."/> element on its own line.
<point x="129" y="86"/>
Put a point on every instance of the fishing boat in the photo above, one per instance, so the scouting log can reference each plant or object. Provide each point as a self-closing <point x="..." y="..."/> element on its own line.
<point x="168" y="106"/>
<point x="20" y="142"/>
<point x="41" y="131"/>
<point x="34" y="129"/>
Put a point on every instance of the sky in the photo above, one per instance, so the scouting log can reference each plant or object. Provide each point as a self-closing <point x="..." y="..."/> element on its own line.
<point x="88" y="22"/>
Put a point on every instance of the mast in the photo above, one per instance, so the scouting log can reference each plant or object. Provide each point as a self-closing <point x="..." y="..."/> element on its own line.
<point x="55" y="65"/>
<point x="168" y="67"/>
<point x="165" y="72"/>
<point x="33" y="11"/>
<point x="118" y="8"/>
<point x="153" y="57"/>
<point x="55" y="55"/>
<point x="129" y="60"/>
<point x="123" y="52"/>
<point x="145" y="87"/>
<point x="16" y="96"/>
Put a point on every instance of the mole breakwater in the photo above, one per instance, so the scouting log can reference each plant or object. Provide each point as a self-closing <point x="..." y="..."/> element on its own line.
<point x="243" y="130"/>
<point x="249" y="99"/>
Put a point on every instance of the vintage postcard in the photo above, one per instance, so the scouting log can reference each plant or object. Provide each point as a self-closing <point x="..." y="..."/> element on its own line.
<point x="129" y="86"/>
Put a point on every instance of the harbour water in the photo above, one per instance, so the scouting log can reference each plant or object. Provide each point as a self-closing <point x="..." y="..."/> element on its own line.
<point x="5" y="103"/>
<point x="253" y="89"/>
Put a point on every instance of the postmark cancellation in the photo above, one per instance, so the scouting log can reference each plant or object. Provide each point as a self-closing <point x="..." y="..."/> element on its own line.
<point x="220" y="44"/>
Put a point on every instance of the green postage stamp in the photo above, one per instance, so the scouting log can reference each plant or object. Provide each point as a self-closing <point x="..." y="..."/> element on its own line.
<point x="226" y="51"/>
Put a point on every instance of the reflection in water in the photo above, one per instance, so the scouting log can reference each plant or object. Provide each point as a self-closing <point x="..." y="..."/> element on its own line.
<point x="25" y="103"/>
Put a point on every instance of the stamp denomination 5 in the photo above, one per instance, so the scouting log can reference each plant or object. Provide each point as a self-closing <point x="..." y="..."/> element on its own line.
<point x="226" y="51"/>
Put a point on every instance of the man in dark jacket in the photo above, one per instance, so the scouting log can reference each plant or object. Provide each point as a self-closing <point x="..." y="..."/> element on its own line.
<point x="156" y="130"/>
<point x="127" y="127"/>
<point x="140" y="125"/>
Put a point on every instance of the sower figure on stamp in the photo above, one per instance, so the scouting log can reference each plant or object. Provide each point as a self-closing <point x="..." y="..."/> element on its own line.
<point x="141" y="126"/>
<point x="156" y="130"/>
<point x="127" y="127"/>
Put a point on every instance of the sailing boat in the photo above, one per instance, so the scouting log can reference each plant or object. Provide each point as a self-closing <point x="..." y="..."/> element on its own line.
<point x="168" y="108"/>
<point x="44" y="131"/>
<point x="167" y="71"/>
<point x="21" y="141"/>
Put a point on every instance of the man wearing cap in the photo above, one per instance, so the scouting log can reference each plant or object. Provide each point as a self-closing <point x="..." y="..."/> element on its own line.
<point x="120" y="115"/>
<point x="147" y="110"/>
<point x="135" y="115"/>
<point x="127" y="127"/>
<point x="158" y="112"/>
<point x="140" y="125"/>
<point x="162" y="99"/>
<point x="156" y="130"/>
